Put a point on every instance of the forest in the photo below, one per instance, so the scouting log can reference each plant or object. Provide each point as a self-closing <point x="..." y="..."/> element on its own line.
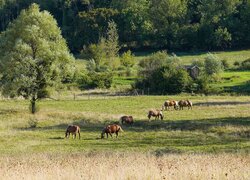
<point x="176" y="25"/>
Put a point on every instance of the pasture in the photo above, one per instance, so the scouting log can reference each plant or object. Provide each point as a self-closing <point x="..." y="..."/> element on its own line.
<point x="216" y="124"/>
<point x="204" y="142"/>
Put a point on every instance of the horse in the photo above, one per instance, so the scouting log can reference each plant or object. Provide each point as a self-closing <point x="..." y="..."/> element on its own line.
<point x="185" y="103"/>
<point x="127" y="119"/>
<point x="73" y="129"/>
<point x="155" y="113"/>
<point x="167" y="104"/>
<point x="110" y="129"/>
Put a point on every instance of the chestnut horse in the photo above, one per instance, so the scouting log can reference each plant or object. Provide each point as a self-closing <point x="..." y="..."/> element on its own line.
<point x="110" y="129"/>
<point x="155" y="113"/>
<point x="73" y="129"/>
<point x="185" y="103"/>
<point x="167" y="104"/>
<point x="127" y="119"/>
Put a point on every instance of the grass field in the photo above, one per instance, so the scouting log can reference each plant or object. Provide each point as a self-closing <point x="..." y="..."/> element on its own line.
<point x="187" y="58"/>
<point x="216" y="124"/>
<point x="204" y="142"/>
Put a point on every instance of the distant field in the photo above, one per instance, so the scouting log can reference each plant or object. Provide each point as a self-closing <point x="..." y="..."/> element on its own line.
<point x="216" y="124"/>
<point x="235" y="81"/>
<point x="187" y="58"/>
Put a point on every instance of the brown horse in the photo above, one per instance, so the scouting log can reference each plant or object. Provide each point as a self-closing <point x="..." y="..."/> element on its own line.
<point x="127" y="119"/>
<point x="155" y="113"/>
<point x="110" y="129"/>
<point x="167" y="104"/>
<point x="185" y="103"/>
<point x="73" y="129"/>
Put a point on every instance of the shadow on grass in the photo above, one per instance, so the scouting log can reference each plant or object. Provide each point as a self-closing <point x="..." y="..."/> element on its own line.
<point x="189" y="125"/>
<point x="153" y="125"/>
<point x="8" y="111"/>
<point x="221" y="103"/>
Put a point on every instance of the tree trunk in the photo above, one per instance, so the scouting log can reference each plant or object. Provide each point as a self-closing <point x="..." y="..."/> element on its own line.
<point x="33" y="105"/>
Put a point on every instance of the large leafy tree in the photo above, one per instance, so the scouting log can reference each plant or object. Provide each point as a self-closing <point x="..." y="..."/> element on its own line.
<point x="33" y="56"/>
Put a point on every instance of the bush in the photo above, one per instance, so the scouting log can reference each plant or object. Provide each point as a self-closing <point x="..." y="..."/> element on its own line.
<point x="213" y="64"/>
<point x="245" y="65"/>
<point x="95" y="80"/>
<point x="166" y="80"/>
<point x="236" y="63"/>
<point x="225" y="64"/>
<point x="127" y="59"/>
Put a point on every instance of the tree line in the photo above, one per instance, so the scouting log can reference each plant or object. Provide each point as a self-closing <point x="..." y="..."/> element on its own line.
<point x="146" y="24"/>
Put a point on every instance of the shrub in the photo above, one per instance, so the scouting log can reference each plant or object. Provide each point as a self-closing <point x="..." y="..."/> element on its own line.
<point x="213" y="64"/>
<point x="225" y="64"/>
<point x="245" y="65"/>
<point x="236" y="63"/>
<point x="127" y="59"/>
<point x="166" y="80"/>
<point x="95" y="80"/>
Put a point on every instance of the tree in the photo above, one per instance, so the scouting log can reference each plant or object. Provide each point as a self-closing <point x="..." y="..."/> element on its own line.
<point x="33" y="56"/>
<point x="112" y="42"/>
<point x="213" y="64"/>
<point x="127" y="59"/>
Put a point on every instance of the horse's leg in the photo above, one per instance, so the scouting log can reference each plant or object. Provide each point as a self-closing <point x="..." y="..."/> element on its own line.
<point x="116" y="134"/>
<point x="110" y="134"/>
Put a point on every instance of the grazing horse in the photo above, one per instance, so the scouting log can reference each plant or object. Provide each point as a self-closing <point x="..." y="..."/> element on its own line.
<point x="167" y="104"/>
<point x="155" y="113"/>
<point x="110" y="129"/>
<point x="73" y="129"/>
<point x="127" y="119"/>
<point x="185" y="103"/>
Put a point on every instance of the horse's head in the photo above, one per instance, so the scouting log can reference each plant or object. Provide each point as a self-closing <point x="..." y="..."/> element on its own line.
<point x="102" y="135"/>
<point x="161" y="114"/>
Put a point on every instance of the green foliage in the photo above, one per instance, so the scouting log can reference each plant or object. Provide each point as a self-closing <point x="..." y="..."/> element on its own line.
<point x="222" y="38"/>
<point x="33" y="55"/>
<point x="245" y="65"/>
<point x="127" y="59"/>
<point x="151" y="63"/>
<point x="213" y="64"/>
<point x="95" y="80"/>
<point x="112" y="41"/>
<point x="172" y="24"/>
<point x="225" y="64"/>
<point x="163" y="74"/>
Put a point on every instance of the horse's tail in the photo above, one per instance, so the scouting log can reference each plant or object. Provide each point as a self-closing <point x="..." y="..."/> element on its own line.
<point x="79" y="133"/>
<point x="121" y="129"/>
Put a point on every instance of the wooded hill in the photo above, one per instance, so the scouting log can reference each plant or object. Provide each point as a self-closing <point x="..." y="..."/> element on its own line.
<point x="146" y="24"/>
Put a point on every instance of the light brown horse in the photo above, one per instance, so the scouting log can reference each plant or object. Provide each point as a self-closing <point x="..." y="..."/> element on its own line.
<point x="185" y="103"/>
<point x="110" y="129"/>
<point x="127" y="119"/>
<point x="73" y="129"/>
<point x="167" y="104"/>
<point x="155" y="113"/>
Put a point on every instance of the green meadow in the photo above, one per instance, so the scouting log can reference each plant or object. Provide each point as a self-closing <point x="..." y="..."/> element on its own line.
<point x="215" y="124"/>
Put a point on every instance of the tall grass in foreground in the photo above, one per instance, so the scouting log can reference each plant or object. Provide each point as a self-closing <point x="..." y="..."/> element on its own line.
<point x="125" y="166"/>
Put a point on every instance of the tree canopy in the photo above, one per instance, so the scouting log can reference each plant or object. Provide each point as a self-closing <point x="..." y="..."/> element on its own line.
<point x="33" y="56"/>
<point x="143" y="24"/>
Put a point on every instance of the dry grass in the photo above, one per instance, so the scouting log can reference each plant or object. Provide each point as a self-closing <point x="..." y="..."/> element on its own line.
<point x="125" y="166"/>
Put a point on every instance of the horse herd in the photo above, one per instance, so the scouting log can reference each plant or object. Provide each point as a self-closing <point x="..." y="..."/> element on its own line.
<point x="114" y="128"/>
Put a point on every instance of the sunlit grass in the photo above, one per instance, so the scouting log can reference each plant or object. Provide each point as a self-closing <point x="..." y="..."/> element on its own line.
<point x="216" y="124"/>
